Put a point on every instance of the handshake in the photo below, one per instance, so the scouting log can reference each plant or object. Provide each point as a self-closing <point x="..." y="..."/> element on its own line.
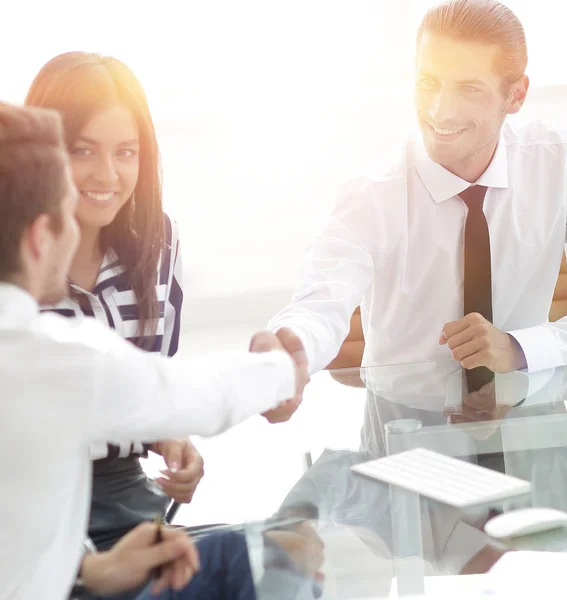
<point x="286" y="340"/>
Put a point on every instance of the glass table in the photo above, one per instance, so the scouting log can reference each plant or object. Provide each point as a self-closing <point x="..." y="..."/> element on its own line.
<point x="337" y="534"/>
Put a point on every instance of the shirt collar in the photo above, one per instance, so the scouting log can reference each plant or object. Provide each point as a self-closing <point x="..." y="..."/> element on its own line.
<point x="443" y="184"/>
<point x="110" y="267"/>
<point x="15" y="301"/>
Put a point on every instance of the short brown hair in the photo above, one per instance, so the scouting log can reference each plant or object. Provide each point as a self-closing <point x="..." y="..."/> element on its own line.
<point x="484" y="21"/>
<point x="33" y="176"/>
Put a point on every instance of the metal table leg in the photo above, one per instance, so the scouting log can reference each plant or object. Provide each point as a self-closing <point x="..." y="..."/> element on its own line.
<point x="406" y="519"/>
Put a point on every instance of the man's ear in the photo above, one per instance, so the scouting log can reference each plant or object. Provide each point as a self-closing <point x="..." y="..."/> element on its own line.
<point x="518" y="93"/>
<point x="37" y="238"/>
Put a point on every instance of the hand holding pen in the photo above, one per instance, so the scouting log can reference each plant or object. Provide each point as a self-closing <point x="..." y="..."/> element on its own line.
<point x="177" y="559"/>
<point x="134" y="559"/>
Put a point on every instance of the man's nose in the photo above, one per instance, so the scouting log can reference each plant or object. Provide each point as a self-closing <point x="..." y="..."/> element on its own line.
<point x="443" y="107"/>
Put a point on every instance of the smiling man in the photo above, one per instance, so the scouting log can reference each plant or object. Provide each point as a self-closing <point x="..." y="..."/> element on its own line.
<point x="463" y="93"/>
<point x="454" y="252"/>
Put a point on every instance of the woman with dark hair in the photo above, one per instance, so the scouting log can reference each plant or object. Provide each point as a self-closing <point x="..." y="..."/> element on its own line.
<point x="127" y="269"/>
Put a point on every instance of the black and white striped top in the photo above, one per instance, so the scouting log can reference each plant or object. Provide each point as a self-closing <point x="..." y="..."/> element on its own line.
<point x="113" y="302"/>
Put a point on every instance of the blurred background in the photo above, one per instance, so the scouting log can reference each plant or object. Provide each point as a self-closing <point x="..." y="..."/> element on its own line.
<point x="263" y="110"/>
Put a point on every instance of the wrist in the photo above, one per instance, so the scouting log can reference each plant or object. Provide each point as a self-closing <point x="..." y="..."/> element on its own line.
<point x="95" y="572"/>
<point x="156" y="448"/>
<point x="518" y="357"/>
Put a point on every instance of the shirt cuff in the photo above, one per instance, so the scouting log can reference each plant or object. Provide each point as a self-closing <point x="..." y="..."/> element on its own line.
<point x="520" y="386"/>
<point x="540" y="347"/>
<point x="285" y="374"/>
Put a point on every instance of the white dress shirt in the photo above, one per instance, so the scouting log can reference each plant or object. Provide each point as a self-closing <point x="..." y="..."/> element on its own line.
<point x="69" y="382"/>
<point x="394" y="245"/>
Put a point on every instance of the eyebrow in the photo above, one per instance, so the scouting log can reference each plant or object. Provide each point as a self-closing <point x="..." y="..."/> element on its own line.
<point x="88" y="140"/>
<point x="426" y="74"/>
<point x="476" y="82"/>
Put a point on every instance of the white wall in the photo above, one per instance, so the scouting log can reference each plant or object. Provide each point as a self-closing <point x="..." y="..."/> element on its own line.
<point x="263" y="110"/>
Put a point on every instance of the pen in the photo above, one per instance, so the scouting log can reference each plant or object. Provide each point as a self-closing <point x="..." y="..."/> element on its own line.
<point x="159" y="539"/>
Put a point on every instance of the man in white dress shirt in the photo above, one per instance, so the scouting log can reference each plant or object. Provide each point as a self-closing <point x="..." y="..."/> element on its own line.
<point x="67" y="383"/>
<point x="439" y="270"/>
<point x="395" y="244"/>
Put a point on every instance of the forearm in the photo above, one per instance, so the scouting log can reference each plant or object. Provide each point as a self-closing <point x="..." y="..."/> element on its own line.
<point x="164" y="399"/>
<point x="349" y="356"/>
<point x="161" y="446"/>
<point x="337" y="273"/>
<point x="320" y="315"/>
<point x="321" y="335"/>
<point x="156" y="448"/>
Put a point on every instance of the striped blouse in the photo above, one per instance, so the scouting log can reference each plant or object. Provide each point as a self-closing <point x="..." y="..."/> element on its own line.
<point x="113" y="302"/>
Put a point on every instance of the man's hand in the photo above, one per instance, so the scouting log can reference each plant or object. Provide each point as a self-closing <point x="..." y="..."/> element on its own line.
<point x="482" y="562"/>
<point x="130" y="562"/>
<point x="481" y="406"/>
<point x="302" y="545"/>
<point x="284" y="339"/>
<point x="475" y="342"/>
<point x="184" y="468"/>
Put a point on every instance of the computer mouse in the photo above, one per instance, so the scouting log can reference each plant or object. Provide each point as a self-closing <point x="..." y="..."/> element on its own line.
<point x="525" y="521"/>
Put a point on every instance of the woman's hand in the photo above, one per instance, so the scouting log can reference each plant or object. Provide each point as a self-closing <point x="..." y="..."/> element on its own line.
<point x="184" y="468"/>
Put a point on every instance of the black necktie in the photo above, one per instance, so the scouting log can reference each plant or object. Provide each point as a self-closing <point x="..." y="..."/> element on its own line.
<point x="478" y="274"/>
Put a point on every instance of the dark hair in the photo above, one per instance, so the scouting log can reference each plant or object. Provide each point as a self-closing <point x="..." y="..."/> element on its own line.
<point x="34" y="177"/>
<point x="484" y="21"/>
<point x="78" y="85"/>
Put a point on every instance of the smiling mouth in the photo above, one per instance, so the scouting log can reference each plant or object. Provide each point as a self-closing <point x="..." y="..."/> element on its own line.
<point x="443" y="133"/>
<point x="100" y="196"/>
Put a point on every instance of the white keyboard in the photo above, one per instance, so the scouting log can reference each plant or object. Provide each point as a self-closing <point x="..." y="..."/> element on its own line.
<point x="443" y="478"/>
